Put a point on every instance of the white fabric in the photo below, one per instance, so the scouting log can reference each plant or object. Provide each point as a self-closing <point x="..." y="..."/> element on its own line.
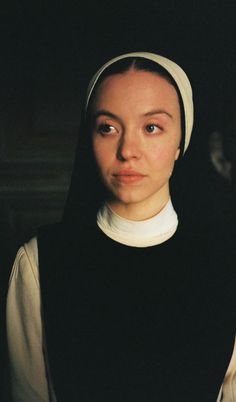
<point x="174" y="70"/>
<point x="145" y="233"/>
<point x="25" y="335"/>
<point x="25" y="330"/>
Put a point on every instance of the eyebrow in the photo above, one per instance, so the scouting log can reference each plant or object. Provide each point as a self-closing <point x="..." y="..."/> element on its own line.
<point x="106" y="113"/>
<point x="158" y="111"/>
<point x="114" y="116"/>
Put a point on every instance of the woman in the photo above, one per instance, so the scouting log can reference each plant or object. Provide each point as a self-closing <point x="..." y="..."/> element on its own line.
<point x="121" y="301"/>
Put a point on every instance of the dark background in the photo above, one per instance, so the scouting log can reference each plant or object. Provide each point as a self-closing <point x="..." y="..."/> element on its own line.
<point x="49" y="50"/>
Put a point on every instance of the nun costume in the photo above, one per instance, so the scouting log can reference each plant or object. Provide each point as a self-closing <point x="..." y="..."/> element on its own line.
<point x="102" y="307"/>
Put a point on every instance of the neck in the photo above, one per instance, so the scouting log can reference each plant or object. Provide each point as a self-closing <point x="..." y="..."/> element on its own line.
<point x="140" y="211"/>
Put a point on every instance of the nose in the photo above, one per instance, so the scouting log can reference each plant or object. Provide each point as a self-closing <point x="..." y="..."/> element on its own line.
<point x="129" y="147"/>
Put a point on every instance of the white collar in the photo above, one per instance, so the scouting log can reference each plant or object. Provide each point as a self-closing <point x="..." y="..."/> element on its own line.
<point x="149" y="232"/>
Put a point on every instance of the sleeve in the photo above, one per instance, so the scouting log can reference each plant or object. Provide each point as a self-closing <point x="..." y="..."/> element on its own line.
<point x="24" y="329"/>
<point x="228" y="389"/>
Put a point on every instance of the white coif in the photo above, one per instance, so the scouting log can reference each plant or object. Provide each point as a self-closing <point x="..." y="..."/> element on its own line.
<point x="149" y="232"/>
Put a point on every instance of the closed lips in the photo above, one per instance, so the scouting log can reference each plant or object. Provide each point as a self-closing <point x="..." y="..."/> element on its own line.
<point x="128" y="173"/>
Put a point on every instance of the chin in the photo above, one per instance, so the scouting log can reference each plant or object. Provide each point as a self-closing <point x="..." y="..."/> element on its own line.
<point x="130" y="197"/>
<point x="140" y="195"/>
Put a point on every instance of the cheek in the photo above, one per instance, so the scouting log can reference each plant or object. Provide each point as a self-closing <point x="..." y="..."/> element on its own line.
<point x="101" y="156"/>
<point x="97" y="150"/>
<point x="164" y="157"/>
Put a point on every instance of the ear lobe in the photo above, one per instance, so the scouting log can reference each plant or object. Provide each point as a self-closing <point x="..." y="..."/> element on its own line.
<point x="177" y="154"/>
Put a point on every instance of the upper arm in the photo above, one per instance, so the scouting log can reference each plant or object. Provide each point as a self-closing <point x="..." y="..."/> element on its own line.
<point x="24" y="328"/>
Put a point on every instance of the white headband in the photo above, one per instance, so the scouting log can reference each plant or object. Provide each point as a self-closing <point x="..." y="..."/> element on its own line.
<point x="177" y="74"/>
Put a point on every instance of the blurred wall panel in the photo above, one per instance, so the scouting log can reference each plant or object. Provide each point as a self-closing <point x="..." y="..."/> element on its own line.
<point x="38" y="140"/>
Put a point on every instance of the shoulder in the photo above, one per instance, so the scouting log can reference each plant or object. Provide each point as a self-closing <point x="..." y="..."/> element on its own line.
<point x="31" y="256"/>
<point x="23" y="296"/>
<point x="25" y="266"/>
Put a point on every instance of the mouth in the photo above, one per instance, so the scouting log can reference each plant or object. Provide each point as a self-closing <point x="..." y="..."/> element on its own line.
<point x="128" y="176"/>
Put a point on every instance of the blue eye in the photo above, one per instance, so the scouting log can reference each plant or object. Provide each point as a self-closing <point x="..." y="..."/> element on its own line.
<point x="152" y="128"/>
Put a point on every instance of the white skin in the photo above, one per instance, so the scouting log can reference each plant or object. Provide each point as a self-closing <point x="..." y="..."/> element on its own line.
<point x="136" y="136"/>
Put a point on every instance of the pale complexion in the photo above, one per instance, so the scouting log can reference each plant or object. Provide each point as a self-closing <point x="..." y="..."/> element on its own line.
<point x="136" y="137"/>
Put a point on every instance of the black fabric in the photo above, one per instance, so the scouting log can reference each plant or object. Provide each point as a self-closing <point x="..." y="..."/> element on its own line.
<point x="130" y="324"/>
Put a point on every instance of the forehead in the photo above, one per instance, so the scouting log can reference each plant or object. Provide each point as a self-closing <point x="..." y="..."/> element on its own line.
<point x="136" y="87"/>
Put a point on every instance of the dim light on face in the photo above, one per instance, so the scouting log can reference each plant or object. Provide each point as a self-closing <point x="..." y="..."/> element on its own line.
<point x="136" y="135"/>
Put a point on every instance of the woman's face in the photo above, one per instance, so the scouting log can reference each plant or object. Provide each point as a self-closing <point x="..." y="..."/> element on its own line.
<point x="136" y="135"/>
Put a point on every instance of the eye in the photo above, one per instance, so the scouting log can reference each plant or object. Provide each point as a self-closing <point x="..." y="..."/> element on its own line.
<point x="106" y="129"/>
<point x="153" y="129"/>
